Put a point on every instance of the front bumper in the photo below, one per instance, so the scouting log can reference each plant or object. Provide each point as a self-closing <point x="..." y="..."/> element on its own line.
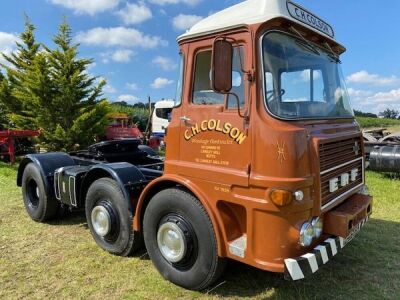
<point x="344" y="223"/>
<point x="309" y="263"/>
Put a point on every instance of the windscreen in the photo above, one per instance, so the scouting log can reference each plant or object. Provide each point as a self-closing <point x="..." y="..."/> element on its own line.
<point x="302" y="81"/>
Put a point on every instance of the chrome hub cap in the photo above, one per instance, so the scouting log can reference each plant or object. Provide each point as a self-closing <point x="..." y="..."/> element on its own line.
<point x="101" y="220"/>
<point x="171" y="242"/>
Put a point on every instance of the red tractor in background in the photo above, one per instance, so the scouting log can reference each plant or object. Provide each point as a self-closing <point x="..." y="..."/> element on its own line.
<point x="15" y="142"/>
<point x="122" y="127"/>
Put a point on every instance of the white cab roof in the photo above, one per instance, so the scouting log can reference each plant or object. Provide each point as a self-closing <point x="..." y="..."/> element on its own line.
<point x="258" y="11"/>
<point x="165" y="104"/>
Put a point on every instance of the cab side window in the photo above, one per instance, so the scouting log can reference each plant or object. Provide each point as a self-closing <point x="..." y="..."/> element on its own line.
<point x="203" y="93"/>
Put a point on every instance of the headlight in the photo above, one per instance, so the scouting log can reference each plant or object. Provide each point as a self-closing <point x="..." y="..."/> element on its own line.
<point x="318" y="225"/>
<point x="306" y="234"/>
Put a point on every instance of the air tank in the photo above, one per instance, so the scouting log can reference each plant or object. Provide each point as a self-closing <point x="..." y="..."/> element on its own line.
<point x="385" y="159"/>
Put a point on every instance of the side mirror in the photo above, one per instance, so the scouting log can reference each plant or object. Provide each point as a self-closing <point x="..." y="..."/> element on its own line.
<point x="221" y="72"/>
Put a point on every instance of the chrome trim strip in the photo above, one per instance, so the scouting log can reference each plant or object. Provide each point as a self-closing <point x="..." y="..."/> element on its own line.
<point x="57" y="176"/>
<point x="332" y="202"/>
<point x="342" y="165"/>
<point x="56" y="188"/>
<point x="72" y="199"/>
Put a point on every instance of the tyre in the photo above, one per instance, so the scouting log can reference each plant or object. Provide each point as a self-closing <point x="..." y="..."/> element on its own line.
<point x="40" y="206"/>
<point x="180" y="240"/>
<point x="110" y="219"/>
<point x="148" y="150"/>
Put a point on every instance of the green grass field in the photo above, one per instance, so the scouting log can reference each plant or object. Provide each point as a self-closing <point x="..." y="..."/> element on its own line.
<point x="61" y="260"/>
<point x="368" y="123"/>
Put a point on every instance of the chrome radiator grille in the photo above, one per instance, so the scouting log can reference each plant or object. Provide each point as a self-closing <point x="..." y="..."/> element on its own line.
<point x="341" y="168"/>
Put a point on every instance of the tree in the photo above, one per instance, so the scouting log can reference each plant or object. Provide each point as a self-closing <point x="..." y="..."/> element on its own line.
<point x="52" y="90"/>
<point x="12" y="86"/>
<point x="4" y="122"/>
<point x="390" y="114"/>
<point x="78" y="109"/>
<point x="364" y="114"/>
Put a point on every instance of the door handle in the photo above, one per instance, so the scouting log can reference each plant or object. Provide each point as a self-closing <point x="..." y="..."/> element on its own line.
<point x="185" y="119"/>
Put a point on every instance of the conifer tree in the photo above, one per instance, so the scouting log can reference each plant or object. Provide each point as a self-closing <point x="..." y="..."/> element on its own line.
<point x="17" y="67"/>
<point x="51" y="90"/>
<point x="77" y="107"/>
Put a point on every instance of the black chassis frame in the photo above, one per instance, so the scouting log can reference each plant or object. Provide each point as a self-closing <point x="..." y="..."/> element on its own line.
<point x="67" y="177"/>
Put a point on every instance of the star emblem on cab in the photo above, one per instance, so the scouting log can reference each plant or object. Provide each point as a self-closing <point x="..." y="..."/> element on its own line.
<point x="281" y="152"/>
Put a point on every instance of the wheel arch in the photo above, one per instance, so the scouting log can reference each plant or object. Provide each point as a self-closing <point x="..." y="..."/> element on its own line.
<point x="47" y="164"/>
<point x="166" y="182"/>
<point x="124" y="174"/>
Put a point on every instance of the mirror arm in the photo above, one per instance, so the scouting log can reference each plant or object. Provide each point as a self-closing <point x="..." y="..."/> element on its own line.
<point x="238" y="104"/>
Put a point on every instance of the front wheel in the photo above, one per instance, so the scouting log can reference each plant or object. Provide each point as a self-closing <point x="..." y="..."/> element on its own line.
<point x="110" y="219"/>
<point x="180" y="240"/>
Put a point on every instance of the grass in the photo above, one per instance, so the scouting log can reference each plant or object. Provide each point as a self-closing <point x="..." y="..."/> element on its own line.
<point x="61" y="260"/>
<point x="368" y="123"/>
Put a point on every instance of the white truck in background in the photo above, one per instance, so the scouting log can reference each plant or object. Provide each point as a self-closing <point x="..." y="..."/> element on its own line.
<point x="161" y="117"/>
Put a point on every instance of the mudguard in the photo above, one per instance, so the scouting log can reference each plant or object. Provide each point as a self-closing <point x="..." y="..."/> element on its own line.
<point x="130" y="179"/>
<point x="47" y="164"/>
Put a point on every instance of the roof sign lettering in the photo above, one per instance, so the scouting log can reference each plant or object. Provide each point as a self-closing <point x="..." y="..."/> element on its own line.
<point x="308" y="18"/>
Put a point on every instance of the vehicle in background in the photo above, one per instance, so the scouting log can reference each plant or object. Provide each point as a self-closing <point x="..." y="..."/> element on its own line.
<point x="121" y="127"/>
<point x="16" y="142"/>
<point x="161" y="116"/>
<point x="382" y="150"/>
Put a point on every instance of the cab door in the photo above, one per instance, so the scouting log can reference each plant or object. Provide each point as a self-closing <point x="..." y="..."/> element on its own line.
<point x="215" y="141"/>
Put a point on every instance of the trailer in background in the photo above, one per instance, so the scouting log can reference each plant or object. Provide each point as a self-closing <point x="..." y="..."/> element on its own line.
<point x="11" y="143"/>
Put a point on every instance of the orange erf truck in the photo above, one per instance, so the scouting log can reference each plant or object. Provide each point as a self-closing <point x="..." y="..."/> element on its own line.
<point x="264" y="163"/>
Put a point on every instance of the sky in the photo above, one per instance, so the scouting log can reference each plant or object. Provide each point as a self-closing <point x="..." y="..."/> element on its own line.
<point x="134" y="44"/>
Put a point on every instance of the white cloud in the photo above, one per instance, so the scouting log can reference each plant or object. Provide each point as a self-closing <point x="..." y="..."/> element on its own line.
<point x="160" y="83"/>
<point x="353" y="93"/>
<point x="134" y="13"/>
<point x="120" y="56"/>
<point x="391" y="97"/>
<point x="128" y="98"/>
<point x="165" y="63"/>
<point x="184" y="22"/>
<point x="165" y="2"/>
<point x="132" y="86"/>
<point x="90" y="7"/>
<point x="118" y="36"/>
<point x="109" y="89"/>
<point x="7" y="45"/>
<point x="363" y="77"/>
<point x="368" y="101"/>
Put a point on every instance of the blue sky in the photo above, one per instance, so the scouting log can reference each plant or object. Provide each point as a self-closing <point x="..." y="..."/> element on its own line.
<point x="134" y="42"/>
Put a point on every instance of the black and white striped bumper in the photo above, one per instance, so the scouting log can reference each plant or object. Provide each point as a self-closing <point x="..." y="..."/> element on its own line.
<point x="309" y="263"/>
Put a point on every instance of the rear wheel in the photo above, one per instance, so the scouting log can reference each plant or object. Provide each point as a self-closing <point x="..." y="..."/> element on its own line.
<point x="110" y="219"/>
<point x="180" y="240"/>
<point x="40" y="206"/>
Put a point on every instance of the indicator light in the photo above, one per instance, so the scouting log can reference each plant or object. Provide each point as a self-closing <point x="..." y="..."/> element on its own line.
<point x="281" y="197"/>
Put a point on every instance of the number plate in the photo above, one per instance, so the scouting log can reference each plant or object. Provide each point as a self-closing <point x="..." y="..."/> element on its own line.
<point x="352" y="234"/>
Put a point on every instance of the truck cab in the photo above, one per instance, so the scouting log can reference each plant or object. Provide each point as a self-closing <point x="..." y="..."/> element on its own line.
<point x="264" y="161"/>
<point x="161" y="117"/>
<point x="279" y="151"/>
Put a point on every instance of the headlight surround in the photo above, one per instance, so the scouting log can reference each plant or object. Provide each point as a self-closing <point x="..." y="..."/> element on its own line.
<point x="318" y="225"/>
<point x="306" y="234"/>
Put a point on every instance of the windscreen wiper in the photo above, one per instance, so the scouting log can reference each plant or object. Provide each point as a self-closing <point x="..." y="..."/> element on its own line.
<point x="306" y="44"/>
<point x="332" y="54"/>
